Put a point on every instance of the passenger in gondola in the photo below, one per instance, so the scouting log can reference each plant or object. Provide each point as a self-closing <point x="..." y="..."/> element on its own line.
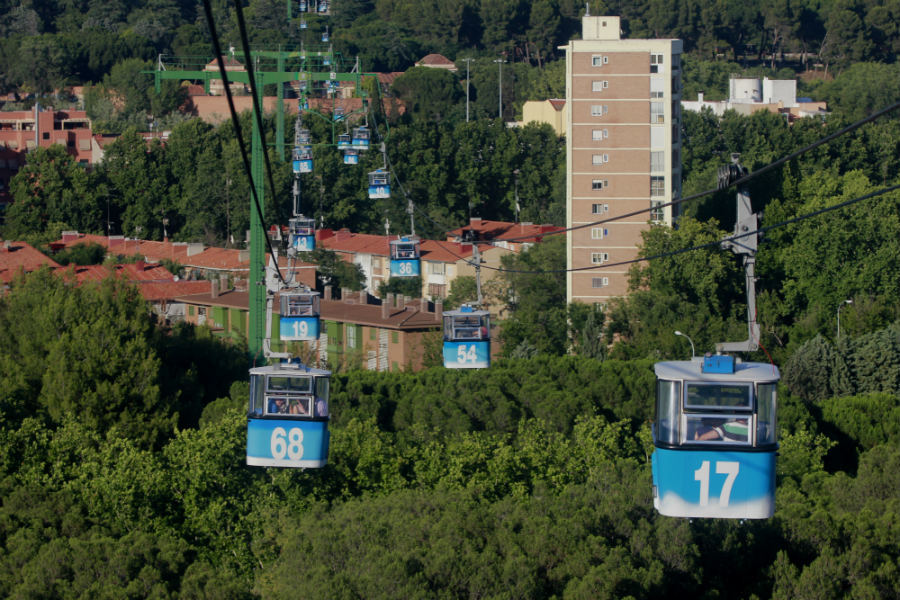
<point x="277" y="406"/>
<point x="300" y="406"/>
<point x="321" y="407"/>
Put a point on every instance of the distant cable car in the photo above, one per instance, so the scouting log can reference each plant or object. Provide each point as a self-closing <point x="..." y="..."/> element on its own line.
<point x="379" y="184"/>
<point x="325" y="37"/>
<point x="299" y="315"/>
<point x="302" y="234"/>
<point x="405" y="257"/>
<point x="361" y="138"/>
<point x="302" y="23"/>
<point x="303" y="6"/>
<point x="302" y="159"/>
<point x="344" y="140"/>
<point x="323" y="6"/>
<point x="326" y="62"/>
<point x="287" y="421"/>
<point x="351" y="156"/>
<point x="467" y="338"/>
<point x="714" y="438"/>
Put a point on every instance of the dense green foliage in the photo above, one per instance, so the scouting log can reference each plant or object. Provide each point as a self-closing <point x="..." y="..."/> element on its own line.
<point x="530" y="479"/>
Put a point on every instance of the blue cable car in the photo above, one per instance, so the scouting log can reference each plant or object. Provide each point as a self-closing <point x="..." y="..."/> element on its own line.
<point x="302" y="23"/>
<point x="302" y="159"/>
<point x="467" y="338"/>
<point x="405" y="257"/>
<point x="287" y="423"/>
<point x="361" y="137"/>
<point x="302" y="6"/>
<point x="323" y="6"/>
<point x="299" y="316"/>
<point x="302" y="234"/>
<point x="351" y="156"/>
<point x="325" y="37"/>
<point x="343" y="139"/>
<point x="715" y="439"/>
<point x="379" y="184"/>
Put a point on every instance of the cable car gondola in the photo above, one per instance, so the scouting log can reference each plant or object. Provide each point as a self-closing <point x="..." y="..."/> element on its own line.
<point x="361" y="137"/>
<point x="351" y="156"/>
<point x="715" y="438"/>
<point x="302" y="234"/>
<point x="302" y="159"/>
<point x="299" y="316"/>
<point x="325" y="37"/>
<point x="302" y="6"/>
<point x="715" y="431"/>
<point x="467" y="338"/>
<point x="344" y="140"/>
<point x="379" y="184"/>
<point x="287" y="421"/>
<point x="405" y="257"/>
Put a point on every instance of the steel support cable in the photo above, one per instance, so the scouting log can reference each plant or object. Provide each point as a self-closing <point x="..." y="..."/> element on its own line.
<point x="207" y="9"/>
<point x="740" y="181"/>
<point x="761" y="230"/>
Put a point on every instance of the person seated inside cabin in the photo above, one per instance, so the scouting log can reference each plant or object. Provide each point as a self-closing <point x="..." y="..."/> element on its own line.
<point x="321" y="407"/>
<point x="299" y="309"/>
<point x="277" y="406"/>
<point x="731" y="430"/>
<point x="300" y="406"/>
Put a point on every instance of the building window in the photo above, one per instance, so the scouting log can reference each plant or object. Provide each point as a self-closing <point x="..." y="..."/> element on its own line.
<point x="598" y="258"/>
<point x="437" y="268"/>
<point x="599" y="282"/>
<point x="657" y="214"/>
<point x="599" y="159"/>
<point x="599" y="209"/>
<point x="657" y="161"/>
<point x="599" y="110"/>
<point x="598" y="60"/>
<point x="657" y="112"/>
<point x="437" y="290"/>
<point x="599" y="134"/>
<point x="46" y="135"/>
<point x="598" y="233"/>
<point x="599" y="86"/>
<point x="599" y="184"/>
<point x="376" y="263"/>
<point x="351" y="336"/>
<point x="657" y="185"/>
<point x="657" y="87"/>
<point x="656" y="63"/>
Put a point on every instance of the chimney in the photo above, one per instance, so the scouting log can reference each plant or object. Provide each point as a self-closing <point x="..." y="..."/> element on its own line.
<point x="438" y="309"/>
<point x="345" y="295"/>
<point x="327" y="294"/>
<point x="116" y="240"/>
<point x="68" y="236"/>
<point x="363" y="297"/>
<point x="140" y="265"/>
<point x="423" y="305"/>
<point x="214" y="288"/>
<point x="243" y="256"/>
<point x="193" y="249"/>
<point x="386" y="305"/>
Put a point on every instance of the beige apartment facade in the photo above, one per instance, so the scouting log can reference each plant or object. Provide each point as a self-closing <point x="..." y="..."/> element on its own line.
<point x="623" y="154"/>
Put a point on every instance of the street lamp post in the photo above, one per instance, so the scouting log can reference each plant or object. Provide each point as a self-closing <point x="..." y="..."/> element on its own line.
<point x="841" y="305"/>
<point x="688" y="339"/>
<point x="467" y="61"/>
<point x="516" y="173"/>
<point x="500" y="62"/>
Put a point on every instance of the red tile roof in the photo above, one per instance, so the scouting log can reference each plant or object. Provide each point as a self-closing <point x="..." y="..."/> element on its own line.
<point x="361" y="243"/>
<point x="408" y="317"/>
<point x="557" y="104"/>
<point x="20" y="256"/>
<point x="435" y="60"/>
<point x="504" y="230"/>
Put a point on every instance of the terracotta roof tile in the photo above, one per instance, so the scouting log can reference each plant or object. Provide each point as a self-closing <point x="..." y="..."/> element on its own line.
<point x="20" y="256"/>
